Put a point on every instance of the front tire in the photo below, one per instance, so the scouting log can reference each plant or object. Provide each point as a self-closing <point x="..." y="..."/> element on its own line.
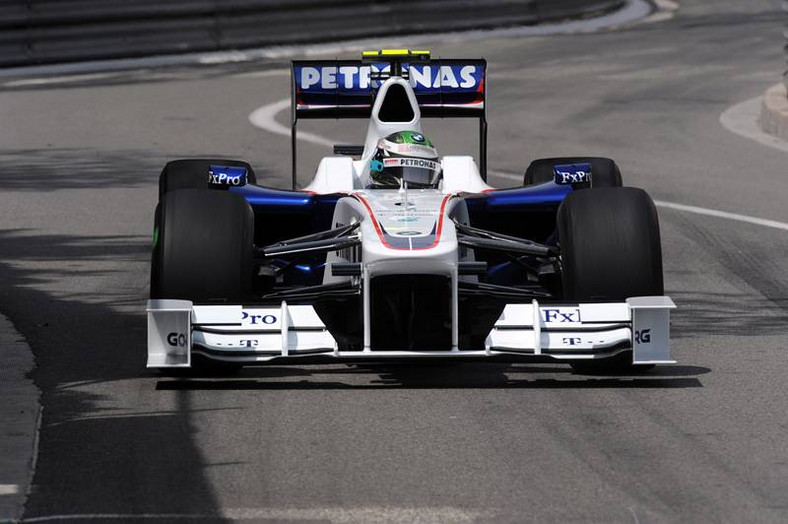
<point x="203" y="248"/>
<point x="610" y="251"/>
<point x="203" y="252"/>
<point x="193" y="173"/>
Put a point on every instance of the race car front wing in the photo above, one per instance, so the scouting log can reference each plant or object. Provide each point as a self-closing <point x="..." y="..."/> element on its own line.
<point x="178" y="329"/>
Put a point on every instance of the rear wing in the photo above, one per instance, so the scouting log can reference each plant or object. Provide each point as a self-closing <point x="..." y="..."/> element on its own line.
<point x="347" y="88"/>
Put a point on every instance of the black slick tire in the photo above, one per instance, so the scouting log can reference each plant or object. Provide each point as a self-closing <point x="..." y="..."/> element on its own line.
<point x="610" y="251"/>
<point x="203" y="248"/>
<point x="203" y="252"/>
<point x="193" y="173"/>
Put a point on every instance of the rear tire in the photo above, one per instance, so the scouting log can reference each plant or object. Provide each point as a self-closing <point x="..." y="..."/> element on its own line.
<point x="203" y="251"/>
<point x="610" y="251"/>
<point x="604" y="171"/>
<point x="193" y="174"/>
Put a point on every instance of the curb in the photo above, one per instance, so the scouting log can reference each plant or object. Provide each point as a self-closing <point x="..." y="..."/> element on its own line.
<point x="20" y="416"/>
<point x="774" y="111"/>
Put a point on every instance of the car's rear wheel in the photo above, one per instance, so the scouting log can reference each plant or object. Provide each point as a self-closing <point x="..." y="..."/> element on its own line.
<point x="604" y="171"/>
<point x="610" y="251"/>
<point x="193" y="173"/>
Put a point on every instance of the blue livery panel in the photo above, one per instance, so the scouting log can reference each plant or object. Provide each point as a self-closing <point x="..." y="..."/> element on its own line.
<point x="572" y="174"/>
<point x="227" y="176"/>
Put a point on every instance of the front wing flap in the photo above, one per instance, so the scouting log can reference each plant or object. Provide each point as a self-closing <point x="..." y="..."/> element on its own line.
<point x="177" y="329"/>
<point x="587" y="331"/>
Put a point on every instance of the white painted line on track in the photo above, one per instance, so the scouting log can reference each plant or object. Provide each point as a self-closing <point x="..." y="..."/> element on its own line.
<point x="67" y="79"/>
<point x="119" y="516"/>
<point x="265" y="118"/>
<point x="262" y="74"/>
<point x="34" y="461"/>
<point x="329" y="514"/>
<point x="723" y="214"/>
<point x="507" y="176"/>
<point x="682" y="207"/>
<point x="666" y="10"/>
<point x="742" y="119"/>
<point x="9" y="489"/>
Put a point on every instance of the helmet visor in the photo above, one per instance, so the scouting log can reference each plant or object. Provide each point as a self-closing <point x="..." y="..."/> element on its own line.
<point x="419" y="173"/>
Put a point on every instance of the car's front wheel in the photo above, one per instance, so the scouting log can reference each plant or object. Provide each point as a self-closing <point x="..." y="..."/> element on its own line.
<point x="203" y="252"/>
<point x="610" y="251"/>
<point x="203" y="247"/>
<point x="192" y="173"/>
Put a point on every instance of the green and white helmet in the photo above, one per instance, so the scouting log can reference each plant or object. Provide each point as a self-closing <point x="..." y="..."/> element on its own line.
<point x="408" y="156"/>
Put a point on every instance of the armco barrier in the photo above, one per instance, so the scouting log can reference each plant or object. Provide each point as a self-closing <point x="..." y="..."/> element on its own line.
<point x="47" y="31"/>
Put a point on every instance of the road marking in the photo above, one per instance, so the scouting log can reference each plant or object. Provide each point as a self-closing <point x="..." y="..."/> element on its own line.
<point x="683" y="207"/>
<point x="262" y="74"/>
<point x="508" y="176"/>
<point x="336" y="514"/>
<point x="9" y="489"/>
<point x="742" y="119"/>
<point x="265" y="118"/>
<point x="666" y="10"/>
<point x="66" y="79"/>
<point x="723" y="214"/>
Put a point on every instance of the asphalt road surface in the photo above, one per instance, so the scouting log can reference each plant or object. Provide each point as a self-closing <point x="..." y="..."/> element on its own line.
<point x="705" y="440"/>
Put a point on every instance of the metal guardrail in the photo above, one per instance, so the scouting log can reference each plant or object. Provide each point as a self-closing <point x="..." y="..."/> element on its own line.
<point x="47" y="31"/>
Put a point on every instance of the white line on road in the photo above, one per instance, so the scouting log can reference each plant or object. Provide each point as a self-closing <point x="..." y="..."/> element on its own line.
<point x="263" y="74"/>
<point x="742" y="119"/>
<point x="507" y="176"/>
<point x="9" y="489"/>
<point x="666" y="10"/>
<point x="32" y="82"/>
<point x="723" y="214"/>
<point x="329" y="514"/>
<point x="682" y="207"/>
<point x="265" y="118"/>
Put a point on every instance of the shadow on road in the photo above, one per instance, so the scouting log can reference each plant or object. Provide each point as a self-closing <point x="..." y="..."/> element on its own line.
<point x="101" y="449"/>
<point x="458" y="376"/>
<point x="54" y="169"/>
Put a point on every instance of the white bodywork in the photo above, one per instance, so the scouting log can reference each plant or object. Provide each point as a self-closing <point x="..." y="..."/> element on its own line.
<point x="177" y="329"/>
<point x="410" y="229"/>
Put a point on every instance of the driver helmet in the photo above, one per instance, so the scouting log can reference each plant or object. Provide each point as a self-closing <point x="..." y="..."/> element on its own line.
<point x="408" y="156"/>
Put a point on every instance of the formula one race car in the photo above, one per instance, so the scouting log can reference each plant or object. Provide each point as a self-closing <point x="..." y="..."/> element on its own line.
<point x="392" y="252"/>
